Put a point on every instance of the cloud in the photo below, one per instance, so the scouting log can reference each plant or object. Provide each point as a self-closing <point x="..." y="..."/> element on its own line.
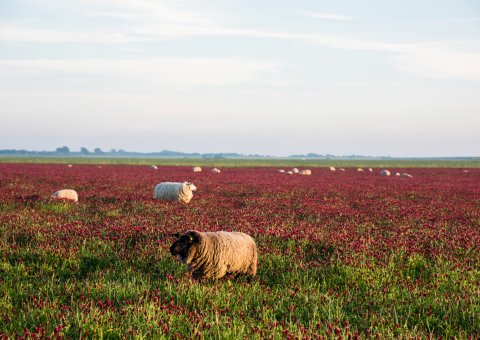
<point x="182" y="71"/>
<point x="327" y="16"/>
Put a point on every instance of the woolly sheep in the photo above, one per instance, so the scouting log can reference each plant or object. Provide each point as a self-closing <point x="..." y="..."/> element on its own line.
<point x="290" y="172"/>
<point x="360" y="170"/>
<point x="306" y="172"/>
<point x="397" y="174"/>
<point x="370" y="170"/>
<point x="67" y="194"/>
<point x="295" y="171"/>
<point x="197" y="169"/>
<point x="384" y="173"/>
<point x="154" y="167"/>
<point x="69" y="165"/>
<point x="172" y="191"/>
<point x="281" y="171"/>
<point x="215" y="254"/>
<point x="332" y="168"/>
<point x="404" y="174"/>
<point x="341" y="169"/>
<point x="216" y="171"/>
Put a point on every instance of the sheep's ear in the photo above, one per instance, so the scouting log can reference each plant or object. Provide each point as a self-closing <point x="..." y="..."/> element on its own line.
<point x="176" y="235"/>
<point x="194" y="236"/>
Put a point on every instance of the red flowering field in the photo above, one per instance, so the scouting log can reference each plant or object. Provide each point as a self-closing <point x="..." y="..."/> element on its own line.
<point x="341" y="255"/>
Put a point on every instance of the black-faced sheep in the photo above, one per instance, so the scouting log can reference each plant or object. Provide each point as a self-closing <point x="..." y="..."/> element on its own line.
<point x="215" y="254"/>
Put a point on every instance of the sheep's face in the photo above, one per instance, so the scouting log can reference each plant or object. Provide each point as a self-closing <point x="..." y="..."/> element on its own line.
<point x="191" y="186"/>
<point x="184" y="246"/>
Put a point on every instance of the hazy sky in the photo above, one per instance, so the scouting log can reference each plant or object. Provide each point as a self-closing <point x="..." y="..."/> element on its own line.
<point x="372" y="77"/>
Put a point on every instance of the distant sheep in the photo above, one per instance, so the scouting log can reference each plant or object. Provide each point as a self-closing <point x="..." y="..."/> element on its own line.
<point x="360" y="170"/>
<point x="404" y="174"/>
<point x="216" y="171"/>
<point x="397" y="174"/>
<point x="384" y="173"/>
<point x="295" y="171"/>
<point x="215" y="254"/>
<point x="281" y="171"/>
<point x="370" y="170"/>
<point x="154" y="167"/>
<point x="172" y="191"/>
<point x="306" y="172"/>
<point x="332" y="168"/>
<point x="197" y="169"/>
<point x="341" y="169"/>
<point x="290" y="172"/>
<point x="69" y="165"/>
<point x="67" y="194"/>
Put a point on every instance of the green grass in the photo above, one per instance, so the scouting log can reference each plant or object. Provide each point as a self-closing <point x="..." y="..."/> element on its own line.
<point x="394" y="163"/>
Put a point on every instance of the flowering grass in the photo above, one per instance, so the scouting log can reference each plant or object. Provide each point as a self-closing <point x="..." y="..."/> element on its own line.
<point x="340" y="254"/>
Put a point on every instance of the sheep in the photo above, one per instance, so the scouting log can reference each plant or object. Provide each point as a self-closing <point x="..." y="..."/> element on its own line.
<point x="216" y="171"/>
<point x="67" y="194"/>
<point x="370" y="170"/>
<point x="306" y="172"/>
<point x="154" y="167"/>
<point x="69" y="165"/>
<point x="290" y="172"/>
<point x="215" y="254"/>
<point x="341" y="169"/>
<point x="360" y="170"/>
<point x="295" y="171"/>
<point x="197" y="169"/>
<point x="172" y="191"/>
<point x="281" y="171"/>
<point x="397" y="174"/>
<point x="384" y="173"/>
<point x="332" y="168"/>
<point x="404" y="174"/>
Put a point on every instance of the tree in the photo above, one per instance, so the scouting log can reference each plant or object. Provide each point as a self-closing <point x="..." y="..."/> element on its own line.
<point x="63" y="149"/>
<point x="98" y="151"/>
<point x="84" y="150"/>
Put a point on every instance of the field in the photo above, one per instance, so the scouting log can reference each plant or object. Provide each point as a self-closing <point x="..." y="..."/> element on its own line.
<point x="340" y="254"/>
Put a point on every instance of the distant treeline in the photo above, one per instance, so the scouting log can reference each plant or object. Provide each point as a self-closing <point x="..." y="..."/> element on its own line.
<point x="64" y="151"/>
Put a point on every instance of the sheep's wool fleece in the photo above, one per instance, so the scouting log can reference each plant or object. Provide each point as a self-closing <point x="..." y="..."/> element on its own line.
<point x="172" y="191"/>
<point x="67" y="194"/>
<point x="384" y="173"/>
<point x="219" y="253"/>
<point x="197" y="169"/>
<point x="306" y="172"/>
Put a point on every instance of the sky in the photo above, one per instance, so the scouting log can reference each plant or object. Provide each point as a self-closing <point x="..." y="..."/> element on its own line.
<point x="372" y="77"/>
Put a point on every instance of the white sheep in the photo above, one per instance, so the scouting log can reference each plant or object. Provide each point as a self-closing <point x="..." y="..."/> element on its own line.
<point x="404" y="174"/>
<point x="341" y="169"/>
<point x="332" y="168"/>
<point x="215" y="254"/>
<point x="173" y="191"/>
<point x="384" y="172"/>
<point x="197" y="169"/>
<point x="295" y="170"/>
<point x="281" y="171"/>
<point x="290" y="172"/>
<point x="370" y="170"/>
<point x="66" y="194"/>
<point x="360" y="170"/>
<point x="307" y="172"/>
<point x="216" y="171"/>
<point x="154" y="167"/>
<point x="397" y="174"/>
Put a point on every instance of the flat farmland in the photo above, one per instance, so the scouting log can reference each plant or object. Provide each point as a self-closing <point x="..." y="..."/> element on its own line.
<point x="341" y="255"/>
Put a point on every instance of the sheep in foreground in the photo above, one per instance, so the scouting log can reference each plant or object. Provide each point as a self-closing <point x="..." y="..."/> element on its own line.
<point x="215" y="254"/>
<point x="197" y="169"/>
<point x="67" y="194"/>
<point x="306" y="172"/>
<point x="384" y="173"/>
<point x="216" y="171"/>
<point x="172" y="191"/>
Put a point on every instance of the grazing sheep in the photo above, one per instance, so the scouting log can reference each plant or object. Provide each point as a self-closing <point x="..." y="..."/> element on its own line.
<point x="465" y="171"/>
<point x="281" y="171"/>
<point x="404" y="174"/>
<point x="215" y="254"/>
<point x="295" y="171"/>
<point x="360" y="170"/>
<point x="67" y="194"/>
<point x="341" y="169"/>
<point x="397" y="174"/>
<point x="172" y="191"/>
<point x="332" y="168"/>
<point x="69" y="165"/>
<point x="370" y="170"/>
<point x="216" y="171"/>
<point x="306" y="172"/>
<point x="290" y="172"/>
<point x="384" y="173"/>
<point x="197" y="169"/>
<point x="154" y="167"/>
